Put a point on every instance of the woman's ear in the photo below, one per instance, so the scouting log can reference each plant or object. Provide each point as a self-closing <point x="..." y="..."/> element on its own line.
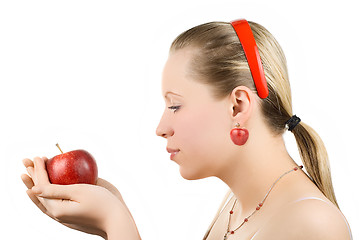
<point x="242" y="100"/>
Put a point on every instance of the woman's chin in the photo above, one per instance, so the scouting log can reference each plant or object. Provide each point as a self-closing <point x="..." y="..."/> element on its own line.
<point x="191" y="174"/>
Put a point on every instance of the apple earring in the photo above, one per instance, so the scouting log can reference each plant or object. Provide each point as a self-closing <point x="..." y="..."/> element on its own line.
<point x="239" y="135"/>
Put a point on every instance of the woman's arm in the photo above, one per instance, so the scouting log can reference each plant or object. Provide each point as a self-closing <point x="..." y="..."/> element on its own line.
<point x="120" y="226"/>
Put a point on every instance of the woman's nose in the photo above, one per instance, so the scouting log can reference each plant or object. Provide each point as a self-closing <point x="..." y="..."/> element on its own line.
<point x="163" y="129"/>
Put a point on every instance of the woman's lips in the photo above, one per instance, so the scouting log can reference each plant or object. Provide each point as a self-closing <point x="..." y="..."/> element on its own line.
<point x="173" y="152"/>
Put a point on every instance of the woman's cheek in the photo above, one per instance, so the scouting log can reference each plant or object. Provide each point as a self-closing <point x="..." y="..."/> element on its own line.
<point x="191" y="128"/>
<point x="196" y="136"/>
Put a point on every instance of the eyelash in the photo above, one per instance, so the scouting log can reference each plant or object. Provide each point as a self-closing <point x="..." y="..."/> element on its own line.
<point x="175" y="108"/>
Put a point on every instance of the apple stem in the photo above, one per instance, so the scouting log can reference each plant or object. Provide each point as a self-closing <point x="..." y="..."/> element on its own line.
<point x="57" y="145"/>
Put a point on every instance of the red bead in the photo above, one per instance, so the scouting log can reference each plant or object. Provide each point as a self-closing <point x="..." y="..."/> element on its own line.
<point x="232" y="232"/>
<point x="260" y="205"/>
<point x="231" y="212"/>
<point x="257" y="208"/>
<point x="246" y="219"/>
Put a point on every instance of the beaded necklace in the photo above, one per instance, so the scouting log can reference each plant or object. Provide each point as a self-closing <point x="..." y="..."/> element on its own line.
<point x="257" y="208"/>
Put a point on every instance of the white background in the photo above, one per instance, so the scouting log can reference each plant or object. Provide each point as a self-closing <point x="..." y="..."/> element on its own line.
<point x="87" y="74"/>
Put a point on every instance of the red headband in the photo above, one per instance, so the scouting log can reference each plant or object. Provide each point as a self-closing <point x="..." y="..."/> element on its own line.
<point x="249" y="45"/>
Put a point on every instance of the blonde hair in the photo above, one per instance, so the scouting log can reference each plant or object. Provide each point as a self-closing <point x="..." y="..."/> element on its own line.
<point x="220" y="62"/>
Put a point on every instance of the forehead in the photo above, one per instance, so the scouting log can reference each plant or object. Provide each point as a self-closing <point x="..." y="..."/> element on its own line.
<point x="179" y="81"/>
<point x="176" y="70"/>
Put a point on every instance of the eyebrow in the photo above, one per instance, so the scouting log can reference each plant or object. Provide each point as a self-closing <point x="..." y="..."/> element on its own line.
<point x="172" y="93"/>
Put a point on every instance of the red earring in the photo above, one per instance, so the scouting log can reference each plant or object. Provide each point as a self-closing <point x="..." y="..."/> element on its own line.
<point x="239" y="135"/>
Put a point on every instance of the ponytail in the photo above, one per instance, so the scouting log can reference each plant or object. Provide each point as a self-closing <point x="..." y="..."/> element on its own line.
<point x="315" y="159"/>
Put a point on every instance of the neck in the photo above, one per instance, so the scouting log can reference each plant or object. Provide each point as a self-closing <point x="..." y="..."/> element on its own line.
<point x="260" y="162"/>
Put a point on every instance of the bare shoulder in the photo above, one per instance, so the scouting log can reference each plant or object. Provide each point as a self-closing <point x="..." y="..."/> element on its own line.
<point x="307" y="219"/>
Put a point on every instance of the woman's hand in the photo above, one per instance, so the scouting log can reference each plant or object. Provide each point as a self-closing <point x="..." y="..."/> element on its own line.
<point x="95" y="209"/>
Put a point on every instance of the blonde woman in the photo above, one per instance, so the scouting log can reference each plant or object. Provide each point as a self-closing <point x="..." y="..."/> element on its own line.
<point x="228" y="103"/>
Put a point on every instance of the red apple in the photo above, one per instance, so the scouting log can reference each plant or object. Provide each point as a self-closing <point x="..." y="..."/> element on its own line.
<point x="73" y="167"/>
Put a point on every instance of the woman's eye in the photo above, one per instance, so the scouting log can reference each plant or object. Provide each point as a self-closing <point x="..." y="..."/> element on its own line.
<point x="174" y="108"/>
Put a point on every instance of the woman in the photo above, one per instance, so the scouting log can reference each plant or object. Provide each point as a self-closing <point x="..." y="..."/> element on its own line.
<point x="228" y="102"/>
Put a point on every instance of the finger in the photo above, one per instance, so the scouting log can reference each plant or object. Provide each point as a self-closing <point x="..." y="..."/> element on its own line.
<point x="58" y="200"/>
<point x="54" y="191"/>
<point x="103" y="183"/>
<point x="35" y="200"/>
<point x="27" y="181"/>
<point x="30" y="171"/>
<point x="45" y="159"/>
<point x="40" y="171"/>
<point x="28" y="163"/>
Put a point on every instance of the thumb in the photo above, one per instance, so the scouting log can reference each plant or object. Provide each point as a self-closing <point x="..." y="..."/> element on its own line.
<point x="40" y="171"/>
<point x="54" y="191"/>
